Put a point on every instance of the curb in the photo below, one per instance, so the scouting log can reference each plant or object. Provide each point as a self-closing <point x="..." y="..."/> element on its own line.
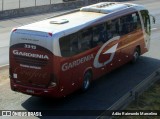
<point x="133" y="94"/>
<point x="4" y="66"/>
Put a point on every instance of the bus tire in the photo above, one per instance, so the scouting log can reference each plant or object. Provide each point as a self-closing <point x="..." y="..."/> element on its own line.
<point x="136" y="55"/>
<point x="86" y="81"/>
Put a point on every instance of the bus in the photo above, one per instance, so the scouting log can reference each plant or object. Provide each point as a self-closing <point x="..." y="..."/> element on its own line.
<point x="57" y="56"/>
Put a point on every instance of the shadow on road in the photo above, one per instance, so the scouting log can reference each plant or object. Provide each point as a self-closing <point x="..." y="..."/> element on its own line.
<point x="103" y="92"/>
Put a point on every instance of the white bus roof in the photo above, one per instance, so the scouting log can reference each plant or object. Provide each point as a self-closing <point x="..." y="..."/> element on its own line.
<point x="104" y="7"/>
<point x="70" y="23"/>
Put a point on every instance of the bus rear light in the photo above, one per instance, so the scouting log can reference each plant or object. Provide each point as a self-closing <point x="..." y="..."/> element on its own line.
<point x="46" y="91"/>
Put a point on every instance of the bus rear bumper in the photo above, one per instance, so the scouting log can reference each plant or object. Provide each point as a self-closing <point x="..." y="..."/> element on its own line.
<point x="48" y="92"/>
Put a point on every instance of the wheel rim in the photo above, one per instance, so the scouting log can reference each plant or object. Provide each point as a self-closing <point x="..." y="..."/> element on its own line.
<point x="87" y="81"/>
<point x="136" y="55"/>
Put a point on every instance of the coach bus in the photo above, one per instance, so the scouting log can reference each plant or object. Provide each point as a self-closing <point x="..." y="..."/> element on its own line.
<point x="57" y="56"/>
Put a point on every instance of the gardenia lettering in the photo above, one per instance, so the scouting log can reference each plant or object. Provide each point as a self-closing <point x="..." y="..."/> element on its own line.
<point x="26" y="54"/>
<point x="67" y="66"/>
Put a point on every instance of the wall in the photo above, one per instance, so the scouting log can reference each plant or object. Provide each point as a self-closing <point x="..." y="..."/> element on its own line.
<point x="47" y="8"/>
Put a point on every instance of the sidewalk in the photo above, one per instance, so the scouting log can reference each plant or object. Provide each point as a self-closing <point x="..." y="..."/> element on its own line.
<point x="10" y="23"/>
<point x="42" y="9"/>
<point x="15" y="4"/>
<point x="4" y="74"/>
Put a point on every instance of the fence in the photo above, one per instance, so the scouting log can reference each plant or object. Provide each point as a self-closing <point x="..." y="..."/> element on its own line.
<point x="14" y="4"/>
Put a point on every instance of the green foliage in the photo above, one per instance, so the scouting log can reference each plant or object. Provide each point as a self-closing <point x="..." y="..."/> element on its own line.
<point x="149" y="100"/>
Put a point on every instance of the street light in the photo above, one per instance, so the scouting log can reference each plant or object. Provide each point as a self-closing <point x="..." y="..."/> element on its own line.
<point x="35" y="2"/>
<point x="19" y="3"/>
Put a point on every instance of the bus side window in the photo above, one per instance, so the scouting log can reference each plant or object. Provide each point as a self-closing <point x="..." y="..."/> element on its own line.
<point x="136" y="21"/>
<point x="99" y="35"/>
<point x="74" y="44"/>
<point x="69" y="45"/>
<point x="115" y="27"/>
<point x="65" y="46"/>
<point x="126" y="24"/>
<point x="122" y="25"/>
<point x="85" y="38"/>
<point x="129" y="23"/>
<point x="112" y="28"/>
<point x="109" y="31"/>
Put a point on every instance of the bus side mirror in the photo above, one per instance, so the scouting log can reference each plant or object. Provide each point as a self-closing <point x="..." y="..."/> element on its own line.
<point x="153" y="19"/>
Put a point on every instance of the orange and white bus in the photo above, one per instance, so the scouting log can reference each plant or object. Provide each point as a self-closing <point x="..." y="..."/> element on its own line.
<point x="57" y="56"/>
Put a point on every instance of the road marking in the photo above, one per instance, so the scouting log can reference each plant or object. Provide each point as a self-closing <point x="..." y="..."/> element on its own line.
<point x="154" y="29"/>
<point x="4" y="65"/>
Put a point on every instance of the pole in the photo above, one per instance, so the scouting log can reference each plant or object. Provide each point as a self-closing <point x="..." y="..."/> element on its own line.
<point x="19" y="3"/>
<point x="50" y="2"/>
<point x="2" y="4"/>
<point x="35" y="2"/>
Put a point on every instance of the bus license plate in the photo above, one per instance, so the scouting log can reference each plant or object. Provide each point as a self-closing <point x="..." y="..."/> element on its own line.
<point x="29" y="91"/>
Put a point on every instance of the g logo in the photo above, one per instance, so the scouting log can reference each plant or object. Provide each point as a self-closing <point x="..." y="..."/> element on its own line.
<point x="112" y="50"/>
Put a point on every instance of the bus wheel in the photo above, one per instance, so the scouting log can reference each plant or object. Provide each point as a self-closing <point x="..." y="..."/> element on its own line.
<point x="136" y="55"/>
<point x="86" y="81"/>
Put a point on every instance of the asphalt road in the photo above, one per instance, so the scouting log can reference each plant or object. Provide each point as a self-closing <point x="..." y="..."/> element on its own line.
<point x="14" y="4"/>
<point x="103" y="92"/>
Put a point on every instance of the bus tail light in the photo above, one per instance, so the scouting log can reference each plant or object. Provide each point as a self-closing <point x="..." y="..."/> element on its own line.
<point x="52" y="82"/>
